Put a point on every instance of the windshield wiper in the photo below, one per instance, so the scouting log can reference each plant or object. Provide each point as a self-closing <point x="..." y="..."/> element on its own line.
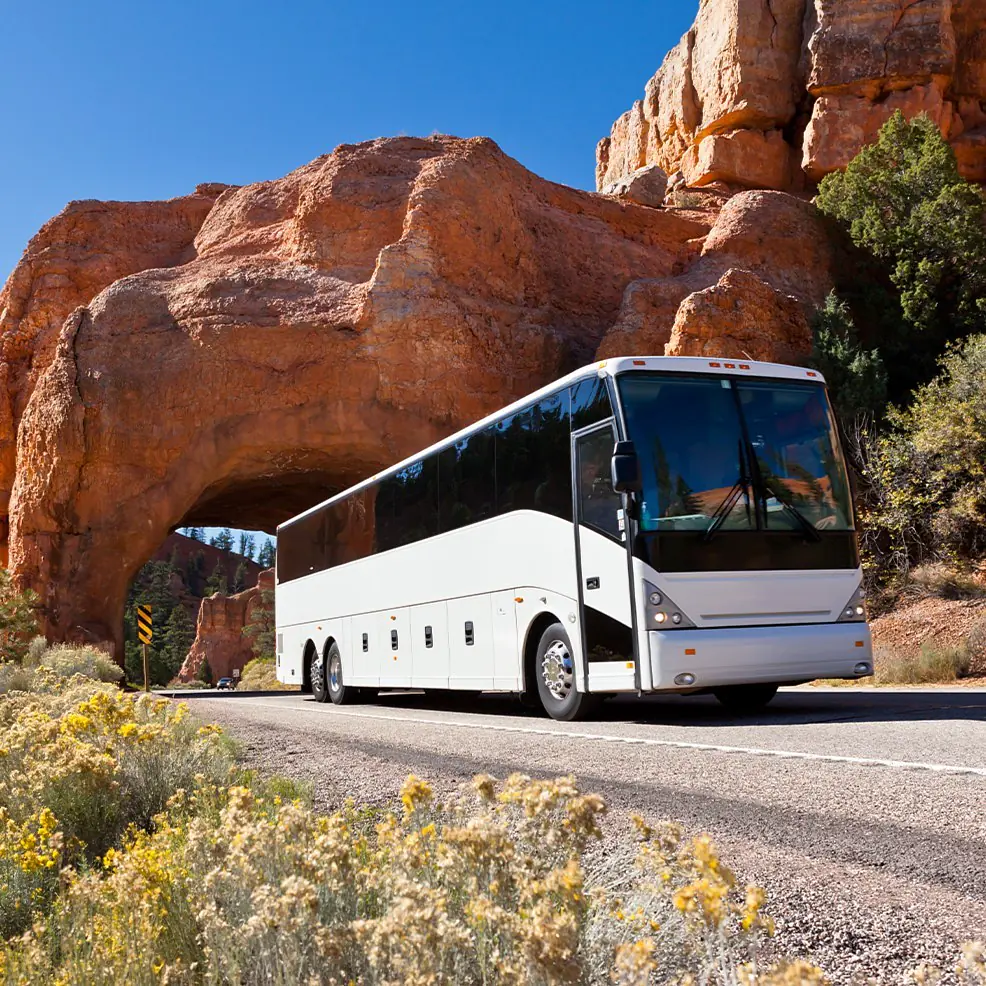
<point x="740" y="488"/>
<point x="803" y="522"/>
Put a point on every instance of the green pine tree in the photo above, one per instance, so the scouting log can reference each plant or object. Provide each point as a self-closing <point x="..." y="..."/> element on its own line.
<point x="261" y="628"/>
<point x="266" y="556"/>
<point x="223" y="540"/>
<point x="217" y="582"/>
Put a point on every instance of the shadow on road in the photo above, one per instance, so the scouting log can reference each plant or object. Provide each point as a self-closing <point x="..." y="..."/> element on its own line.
<point x="791" y="706"/>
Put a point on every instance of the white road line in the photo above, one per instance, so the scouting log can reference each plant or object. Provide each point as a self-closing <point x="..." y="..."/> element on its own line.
<point x="643" y="741"/>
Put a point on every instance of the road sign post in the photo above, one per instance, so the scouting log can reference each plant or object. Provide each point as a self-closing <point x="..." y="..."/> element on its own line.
<point x="145" y="630"/>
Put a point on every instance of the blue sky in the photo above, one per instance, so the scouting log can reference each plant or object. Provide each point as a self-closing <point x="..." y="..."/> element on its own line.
<point x="122" y="100"/>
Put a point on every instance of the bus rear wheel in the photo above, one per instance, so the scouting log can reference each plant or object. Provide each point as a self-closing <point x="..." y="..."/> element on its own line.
<point x="316" y="675"/>
<point x="555" y="670"/>
<point x="745" y="698"/>
<point x="339" y="693"/>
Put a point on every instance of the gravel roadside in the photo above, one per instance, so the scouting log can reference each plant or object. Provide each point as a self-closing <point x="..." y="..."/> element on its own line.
<point x="869" y="870"/>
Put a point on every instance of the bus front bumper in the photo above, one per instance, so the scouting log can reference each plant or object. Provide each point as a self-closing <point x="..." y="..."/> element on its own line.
<point x="748" y="655"/>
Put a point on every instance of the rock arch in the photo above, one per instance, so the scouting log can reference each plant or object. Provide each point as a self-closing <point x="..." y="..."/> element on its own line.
<point x="279" y="341"/>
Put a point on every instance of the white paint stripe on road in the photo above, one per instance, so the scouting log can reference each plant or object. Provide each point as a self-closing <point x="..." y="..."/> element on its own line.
<point x="645" y="741"/>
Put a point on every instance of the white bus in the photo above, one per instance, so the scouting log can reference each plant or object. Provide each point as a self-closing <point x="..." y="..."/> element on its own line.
<point x="646" y="524"/>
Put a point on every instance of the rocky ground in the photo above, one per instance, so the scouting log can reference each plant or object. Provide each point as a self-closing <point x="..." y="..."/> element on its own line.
<point x="870" y="869"/>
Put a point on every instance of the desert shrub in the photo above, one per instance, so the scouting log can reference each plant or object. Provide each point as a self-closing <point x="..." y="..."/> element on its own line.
<point x="855" y="375"/>
<point x="81" y="764"/>
<point x="18" y="618"/>
<point x="944" y="581"/>
<point x="35" y="651"/>
<point x="930" y="664"/>
<point x="260" y="674"/>
<point x="68" y="659"/>
<point x="488" y="888"/>
<point x="976" y="644"/>
<point x="923" y="490"/>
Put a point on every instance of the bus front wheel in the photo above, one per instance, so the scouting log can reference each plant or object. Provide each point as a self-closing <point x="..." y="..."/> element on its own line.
<point x="555" y="669"/>
<point x="745" y="698"/>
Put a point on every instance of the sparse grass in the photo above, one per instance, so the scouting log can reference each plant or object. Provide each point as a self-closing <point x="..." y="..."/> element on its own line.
<point x="944" y="582"/>
<point x="932" y="664"/>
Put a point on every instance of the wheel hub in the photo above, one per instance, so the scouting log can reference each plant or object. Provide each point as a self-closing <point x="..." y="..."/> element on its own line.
<point x="556" y="670"/>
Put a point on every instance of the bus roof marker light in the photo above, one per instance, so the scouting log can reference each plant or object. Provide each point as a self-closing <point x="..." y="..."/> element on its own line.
<point x="640" y="362"/>
<point x="744" y="366"/>
<point x="811" y="373"/>
<point x="716" y="365"/>
<point x="730" y="366"/>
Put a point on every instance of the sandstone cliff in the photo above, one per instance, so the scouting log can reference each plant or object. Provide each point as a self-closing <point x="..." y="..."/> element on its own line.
<point x="219" y="637"/>
<point x="778" y="93"/>
<point x="271" y="344"/>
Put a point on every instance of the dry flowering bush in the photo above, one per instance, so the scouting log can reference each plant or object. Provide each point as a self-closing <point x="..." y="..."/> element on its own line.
<point x="131" y="851"/>
<point x="80" y="763"/>
<point x="235" y="886"/>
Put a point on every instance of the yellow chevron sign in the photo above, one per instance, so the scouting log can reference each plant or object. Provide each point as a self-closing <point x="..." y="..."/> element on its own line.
<point x="145" y="625"/>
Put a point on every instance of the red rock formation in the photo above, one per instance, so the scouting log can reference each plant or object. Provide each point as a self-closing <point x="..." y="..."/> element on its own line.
<point x="778" y="93"/>
<point x="219" y="637"/>
<point x="83" y="250"/>
<point x="317" y="328"/>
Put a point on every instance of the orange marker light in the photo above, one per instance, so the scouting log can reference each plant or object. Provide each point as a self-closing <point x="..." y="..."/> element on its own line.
<point x="812" y="373"/>
<point x="859" y="643"/>
<point x="640" y="362"/>
<point x="630" y="664"/>
<point x="744" y="366"/>
<point x="518" y="599"/>
<point x="715" y="364"/>
<point x="690" y="651"/>
<point x="730" y="366"/>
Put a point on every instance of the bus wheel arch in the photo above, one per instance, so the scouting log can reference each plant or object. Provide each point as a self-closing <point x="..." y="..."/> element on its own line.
<point x="529" y="681"/>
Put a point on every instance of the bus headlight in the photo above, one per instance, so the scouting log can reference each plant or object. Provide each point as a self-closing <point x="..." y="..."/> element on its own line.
<point x="855" y="610"/>
<point x="662" y="610"/>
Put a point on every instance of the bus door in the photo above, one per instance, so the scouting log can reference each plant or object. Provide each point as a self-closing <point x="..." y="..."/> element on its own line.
<point x="601" y="561"/>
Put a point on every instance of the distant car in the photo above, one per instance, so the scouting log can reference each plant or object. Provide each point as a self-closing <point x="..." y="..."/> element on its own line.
<point x="225" y="683"/>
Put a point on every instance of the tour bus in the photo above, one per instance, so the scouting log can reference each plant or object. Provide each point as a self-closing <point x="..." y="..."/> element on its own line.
<point x="645" y="524"/>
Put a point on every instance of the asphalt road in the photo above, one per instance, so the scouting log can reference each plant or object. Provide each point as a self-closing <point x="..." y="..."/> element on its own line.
<point x="863" y="811"/>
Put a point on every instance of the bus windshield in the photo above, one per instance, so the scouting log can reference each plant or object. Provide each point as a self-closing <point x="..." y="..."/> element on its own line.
<point x="734" y="454"/>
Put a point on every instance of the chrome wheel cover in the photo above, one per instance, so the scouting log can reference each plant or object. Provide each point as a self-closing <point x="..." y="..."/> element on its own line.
<point x="557" y="670"/>
<point x="335" y="672"/>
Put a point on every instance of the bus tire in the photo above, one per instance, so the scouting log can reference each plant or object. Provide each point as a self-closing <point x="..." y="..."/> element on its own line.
<point x="339" y="693"/>
<point x="555" y="670"/>
<point x="316" y="676"/>
<point x="745" y="698"/>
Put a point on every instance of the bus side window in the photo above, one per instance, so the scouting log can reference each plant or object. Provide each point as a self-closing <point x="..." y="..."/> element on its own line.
<point x="590" y="403"/>
<point x="466" y="487"/>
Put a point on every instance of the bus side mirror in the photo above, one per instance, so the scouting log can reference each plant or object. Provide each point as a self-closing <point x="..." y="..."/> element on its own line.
<point x="624" y="470"/>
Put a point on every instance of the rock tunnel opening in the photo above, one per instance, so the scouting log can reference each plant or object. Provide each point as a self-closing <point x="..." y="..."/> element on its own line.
<point x="209" y="583"/>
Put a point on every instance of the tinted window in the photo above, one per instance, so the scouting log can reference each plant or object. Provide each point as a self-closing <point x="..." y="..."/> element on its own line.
<point x="467" y="487"/>
<point x="590" y="403"/>
<point x="551" y="442"/>
<point x="346" y="531"/>
<point x="407" y="505"/>
<point x="516" y="463"/>
<point x="598" y="503"/>
<point x="532" y="459"/>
